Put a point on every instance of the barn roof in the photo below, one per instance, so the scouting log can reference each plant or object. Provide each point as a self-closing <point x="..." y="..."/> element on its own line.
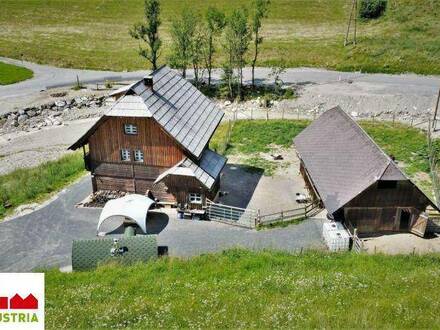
<point x="341" y="158"/>
<point x="206" y="171"/>
<point x="180" y="108"/>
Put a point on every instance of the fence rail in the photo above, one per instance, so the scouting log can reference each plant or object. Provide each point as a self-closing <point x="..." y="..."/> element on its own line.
<point x="288" y="215"/>
<point x="231" y="214"/>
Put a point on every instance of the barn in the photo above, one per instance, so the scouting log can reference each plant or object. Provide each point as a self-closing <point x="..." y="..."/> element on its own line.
<point x="155" y="139"/>
<point x="356" y="181"/>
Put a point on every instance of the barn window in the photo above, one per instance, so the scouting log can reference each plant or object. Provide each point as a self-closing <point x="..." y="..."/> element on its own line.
<point x="125" y="155"/>
<point x="130" y="129"/>
<point x="138" y="156"/>
<point x="387" y="184"/>
<point x="195" y="198"/>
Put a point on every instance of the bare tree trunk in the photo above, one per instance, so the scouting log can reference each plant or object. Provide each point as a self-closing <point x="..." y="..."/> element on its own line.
<point x="254" y="61"/>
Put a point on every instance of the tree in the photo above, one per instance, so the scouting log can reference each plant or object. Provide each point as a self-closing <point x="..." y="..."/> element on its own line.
<point x="260" y="10"/>
<point x="237" y="37"/>
<point x="196" y="51"/>
<point x="183" y="31"/>
<point x="215" y="22"/>
<point x="148" y="32"/>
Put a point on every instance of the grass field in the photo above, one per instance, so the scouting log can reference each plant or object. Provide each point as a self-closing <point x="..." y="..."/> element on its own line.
<point x="10" y="74"/>
<point x="94" y="34"/>
<point x="28" y="185"/>
<point x="241" y="289"/>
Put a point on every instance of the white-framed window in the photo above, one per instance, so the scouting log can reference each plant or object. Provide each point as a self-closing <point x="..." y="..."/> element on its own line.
<point x="125" y="155"/>
<point x="130" y="129"/>
<point x="195" y="198"/>
<point x="138" y="156"/>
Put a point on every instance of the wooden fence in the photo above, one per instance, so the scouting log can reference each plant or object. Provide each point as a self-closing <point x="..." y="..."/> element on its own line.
<point x="288" y="215"/>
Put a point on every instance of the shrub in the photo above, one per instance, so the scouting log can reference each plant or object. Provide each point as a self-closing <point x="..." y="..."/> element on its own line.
<point x="372" y="8"/>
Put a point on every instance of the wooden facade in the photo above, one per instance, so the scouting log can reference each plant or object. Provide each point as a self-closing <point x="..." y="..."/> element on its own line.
<point x="394" y="206"/>
<point x="161" y="152"/>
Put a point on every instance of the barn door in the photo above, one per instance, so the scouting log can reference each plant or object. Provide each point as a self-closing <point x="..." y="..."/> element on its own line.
<point x="419" y="226"/>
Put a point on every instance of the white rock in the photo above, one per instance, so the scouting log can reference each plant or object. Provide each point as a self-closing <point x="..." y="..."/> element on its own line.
<point x="227" y="103"/>
<point x="60" y="103"/>
<point x="56" y="122"/>
<point x="354" y="114"/>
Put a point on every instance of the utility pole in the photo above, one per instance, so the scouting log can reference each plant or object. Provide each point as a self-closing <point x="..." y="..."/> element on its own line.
<point x="352" y="18"/>
<point x="434" y="121"/>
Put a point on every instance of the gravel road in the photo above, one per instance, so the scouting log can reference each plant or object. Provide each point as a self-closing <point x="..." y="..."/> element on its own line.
<point x="408" y="97"/>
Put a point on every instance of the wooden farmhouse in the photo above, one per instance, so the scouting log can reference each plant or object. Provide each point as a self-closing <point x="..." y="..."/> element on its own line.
<point x="155" y="139"/>
<point x="356" y="181"/>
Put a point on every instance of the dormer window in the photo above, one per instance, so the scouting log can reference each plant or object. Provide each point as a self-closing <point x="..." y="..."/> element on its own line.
<point x="130" y="129"/>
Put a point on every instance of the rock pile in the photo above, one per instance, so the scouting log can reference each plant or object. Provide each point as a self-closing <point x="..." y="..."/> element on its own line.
<point x="52" y="114"/>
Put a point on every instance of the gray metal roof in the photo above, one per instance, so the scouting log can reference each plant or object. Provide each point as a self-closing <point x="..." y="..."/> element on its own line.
<point x="129" y="106"/>
<point x="181" y="109"/>
<point x="341" y="159"/>
<point x="206" y="171"/>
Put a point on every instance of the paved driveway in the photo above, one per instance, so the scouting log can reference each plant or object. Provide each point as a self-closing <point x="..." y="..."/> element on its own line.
<point x="44" y="238"/>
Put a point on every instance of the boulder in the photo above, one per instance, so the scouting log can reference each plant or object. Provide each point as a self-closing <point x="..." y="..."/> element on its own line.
<point x="22" y="118"/>
<point x="31" y="113"/>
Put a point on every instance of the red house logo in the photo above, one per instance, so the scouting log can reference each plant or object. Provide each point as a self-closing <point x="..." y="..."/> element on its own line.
<point x="17" y="302"/>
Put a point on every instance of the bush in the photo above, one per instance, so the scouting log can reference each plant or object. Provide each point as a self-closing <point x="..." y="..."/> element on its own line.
<point x="372" y="8"/>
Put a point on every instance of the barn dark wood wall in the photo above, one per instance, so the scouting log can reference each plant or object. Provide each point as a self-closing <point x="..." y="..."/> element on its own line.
<point x="159" y="149"/>
<point x="378" y="210"/>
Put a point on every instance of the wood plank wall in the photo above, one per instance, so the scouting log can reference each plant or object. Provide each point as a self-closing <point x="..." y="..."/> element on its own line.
<point x="159" y="148"/>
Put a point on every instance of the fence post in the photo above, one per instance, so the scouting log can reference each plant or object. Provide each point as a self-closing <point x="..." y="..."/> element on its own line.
<point x="258" y="217"/>
<point x="282" y="216"/>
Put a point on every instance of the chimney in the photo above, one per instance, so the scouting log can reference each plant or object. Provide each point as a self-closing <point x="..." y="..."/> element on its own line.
<point x="148" y="81"/>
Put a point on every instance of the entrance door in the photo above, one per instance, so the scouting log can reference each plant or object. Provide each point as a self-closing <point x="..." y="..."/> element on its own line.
<point x="405" y="217"/>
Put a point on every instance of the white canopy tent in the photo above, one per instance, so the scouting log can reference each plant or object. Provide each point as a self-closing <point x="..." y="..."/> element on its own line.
<point x="134" y="207"/>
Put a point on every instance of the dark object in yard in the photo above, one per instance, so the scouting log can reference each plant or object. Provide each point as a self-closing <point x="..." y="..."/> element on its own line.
<point x="277" y="157"/>
<point x="301" y="198"/>
<point x="59" y="94"/>
<point x="223" y="193"/>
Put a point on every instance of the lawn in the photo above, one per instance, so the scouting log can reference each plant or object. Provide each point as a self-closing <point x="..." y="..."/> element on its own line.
<point x="10" y="74"/>
<point x="28" y="185"/>
<point x="242" y="289"/>
<point x="94" y="34"/>
<point x="252" y="137"/>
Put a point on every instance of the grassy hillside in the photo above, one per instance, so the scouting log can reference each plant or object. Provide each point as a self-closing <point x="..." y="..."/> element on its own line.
<point x="94" y="34"/>
<point x="28" y="185"/>
<point x="10" y="74"/>
<point x="240" y="289"/>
